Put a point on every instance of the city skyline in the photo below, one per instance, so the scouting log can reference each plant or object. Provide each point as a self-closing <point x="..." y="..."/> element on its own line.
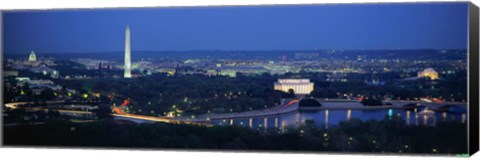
<point x="359" y="78"/>
<point x="417" y="26"/>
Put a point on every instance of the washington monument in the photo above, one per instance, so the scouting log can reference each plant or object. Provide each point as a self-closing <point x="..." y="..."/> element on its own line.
<point x="128" y="64"/>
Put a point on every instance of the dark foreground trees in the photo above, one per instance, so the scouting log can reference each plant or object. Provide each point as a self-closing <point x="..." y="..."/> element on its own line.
<point x="386" y="136"/>
<point x="369" y="101"/>
<point x="103" y="112"/>
<point x="309" y="103"/>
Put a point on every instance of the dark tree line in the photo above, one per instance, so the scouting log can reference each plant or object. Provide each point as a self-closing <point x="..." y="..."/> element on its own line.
<point x="385" y="136"/>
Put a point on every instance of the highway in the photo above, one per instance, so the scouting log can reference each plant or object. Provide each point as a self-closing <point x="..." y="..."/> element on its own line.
<point x="146" y="119"/>
<point x="129" y="117"/>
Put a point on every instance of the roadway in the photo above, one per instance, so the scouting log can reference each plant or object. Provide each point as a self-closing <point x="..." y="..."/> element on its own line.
<point x="281" y="109"/>
<point x="129" y="117"/>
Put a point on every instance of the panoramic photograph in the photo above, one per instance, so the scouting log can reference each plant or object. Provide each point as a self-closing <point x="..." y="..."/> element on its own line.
<point x="380" y="78"/>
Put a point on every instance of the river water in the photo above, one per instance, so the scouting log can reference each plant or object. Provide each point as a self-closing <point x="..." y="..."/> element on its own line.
<point x="325" y="118"/>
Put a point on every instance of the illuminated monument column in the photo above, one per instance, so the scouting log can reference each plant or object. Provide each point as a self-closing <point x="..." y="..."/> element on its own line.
<point x="128" y="64"/>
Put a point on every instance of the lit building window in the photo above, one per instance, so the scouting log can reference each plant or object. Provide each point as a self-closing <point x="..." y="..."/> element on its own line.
<point x="299" y="86"/>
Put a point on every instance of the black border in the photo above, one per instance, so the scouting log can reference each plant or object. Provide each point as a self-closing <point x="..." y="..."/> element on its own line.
<point x="473" y="97"/>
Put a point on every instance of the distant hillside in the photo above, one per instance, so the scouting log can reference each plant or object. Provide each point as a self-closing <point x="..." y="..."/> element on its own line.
<point x="265" y="55"/>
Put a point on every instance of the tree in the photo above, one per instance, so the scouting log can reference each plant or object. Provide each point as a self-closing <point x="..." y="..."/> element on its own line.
<point x="291" y="93"/>
<point x="371" y="102"/>
<point x="309" y="103"/>
<point x="103" y="112"/>
<point x="47" y="94"/>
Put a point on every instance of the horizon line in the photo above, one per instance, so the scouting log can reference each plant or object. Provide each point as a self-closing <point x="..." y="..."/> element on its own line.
<point x="225" y="50"/>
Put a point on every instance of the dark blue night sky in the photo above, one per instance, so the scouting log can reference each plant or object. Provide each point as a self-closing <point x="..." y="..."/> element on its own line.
<point x="346" y="26"/>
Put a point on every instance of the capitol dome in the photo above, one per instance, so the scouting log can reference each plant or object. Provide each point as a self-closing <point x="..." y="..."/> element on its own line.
<point x="32" y="56"/>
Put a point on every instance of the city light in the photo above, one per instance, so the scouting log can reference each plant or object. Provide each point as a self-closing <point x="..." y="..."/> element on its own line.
<point x="321" y="99"/>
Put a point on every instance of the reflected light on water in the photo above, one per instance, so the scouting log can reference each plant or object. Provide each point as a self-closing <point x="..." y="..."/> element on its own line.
<point x="349" y="114"/>
<point x="326" y="118"/>
<point x="297" y="116"/>
<point x="250" y="123"/>
<point x="416" y="118"/>
<point x="425" y="119"/>
<point x="390" y="113"/>
<point x="265" y="122"/>
<point x="276" y="122"/>
<point x="408" y="118"/>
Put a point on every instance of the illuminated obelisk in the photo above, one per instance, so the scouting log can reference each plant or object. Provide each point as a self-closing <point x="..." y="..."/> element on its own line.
<point x="128" y="64"/>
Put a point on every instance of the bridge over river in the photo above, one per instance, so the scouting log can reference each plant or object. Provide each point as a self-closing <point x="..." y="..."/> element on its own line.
<point x="287" y="107"/>
<point x="337" y="104"/>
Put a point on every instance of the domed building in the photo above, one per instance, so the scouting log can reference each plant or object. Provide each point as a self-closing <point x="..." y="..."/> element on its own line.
<point x="32" y="56"/>
<point x="429" y="72"/>
<point x="32" y="60"/>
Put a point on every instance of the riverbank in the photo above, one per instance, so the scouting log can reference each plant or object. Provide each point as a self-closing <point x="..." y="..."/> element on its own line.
<point x="349" y="107"/>
<point x="326" y="105"/>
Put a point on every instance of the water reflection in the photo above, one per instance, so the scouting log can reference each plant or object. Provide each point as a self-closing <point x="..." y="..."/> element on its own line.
<point x="265" y="122"/>
<point x="326" y="118"/>
<point x="250" y="123"/>
<point x="425" y="119"/>
<point x="298" y="121"/>
<point x="408" y="118"/>
<point x="444" y="116"/>
<point x="349" y="114"/>
<point x="416" y="117"/>
<point x="276" y="122"/>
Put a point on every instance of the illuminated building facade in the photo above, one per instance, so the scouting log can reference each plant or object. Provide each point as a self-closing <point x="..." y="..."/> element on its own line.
<point x="128" y="64"/>
<point x="299" y="86"/>
<point x="32" y="56"/>
<point x="429" y="72"/>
